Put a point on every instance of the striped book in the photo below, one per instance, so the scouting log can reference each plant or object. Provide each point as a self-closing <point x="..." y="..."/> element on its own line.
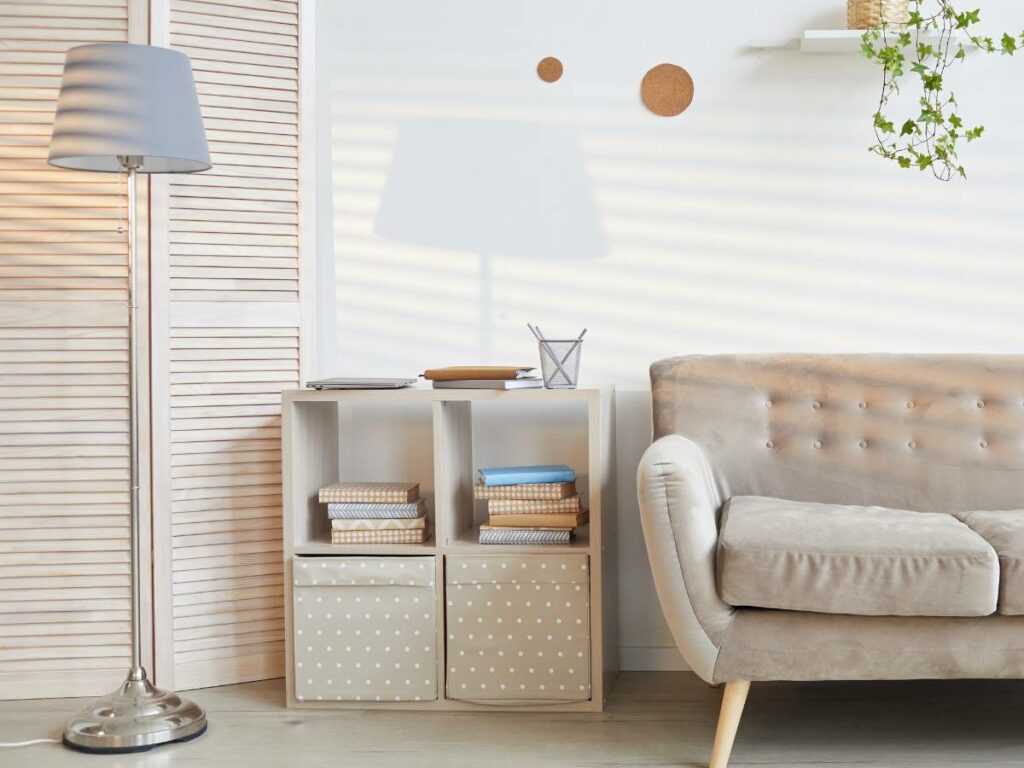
<point x="490" y="535"/>
<point x="525" y="491"/>
<point x="364" y="524"/>
<point x="342" y="511"/>
<point x="380" y="493"/>
<point x="566" y="520"/>
<point x="567" y="506"/>
<point x="409" y="536"/>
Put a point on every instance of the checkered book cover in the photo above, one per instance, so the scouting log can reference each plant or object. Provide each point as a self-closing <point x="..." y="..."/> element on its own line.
<point x="369" y="511"/>
<point x="411" y="536"/>
<point x="380" y="493"/>
<point x="525" y="491"/>
<point x="489" y="535"/>
<point x="567" y="506"/>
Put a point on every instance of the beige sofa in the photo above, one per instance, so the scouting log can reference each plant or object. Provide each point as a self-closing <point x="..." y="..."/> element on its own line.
<point x="841" y="517"/>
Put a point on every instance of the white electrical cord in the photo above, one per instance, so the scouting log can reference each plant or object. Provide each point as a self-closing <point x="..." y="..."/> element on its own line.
<point x="30" y="742"/>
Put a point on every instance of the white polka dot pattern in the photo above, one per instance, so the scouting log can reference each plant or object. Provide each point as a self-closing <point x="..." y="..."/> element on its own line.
<point x="365" y="629"/>
<point x="518" y="628"/>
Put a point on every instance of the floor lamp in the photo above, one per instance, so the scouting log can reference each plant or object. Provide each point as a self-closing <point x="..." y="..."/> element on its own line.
<point x="130" y="109"/>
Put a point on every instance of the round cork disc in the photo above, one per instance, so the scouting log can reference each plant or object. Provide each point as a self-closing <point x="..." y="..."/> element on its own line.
<point x="667" y="90"/>
<point x="550" y="69"/>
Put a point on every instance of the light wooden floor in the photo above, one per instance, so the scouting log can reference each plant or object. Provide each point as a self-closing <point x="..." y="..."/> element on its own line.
<point x="653" y="719"/>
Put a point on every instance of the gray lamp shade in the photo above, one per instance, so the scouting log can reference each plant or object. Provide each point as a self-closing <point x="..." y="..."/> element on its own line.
<point x="121" y="100"/>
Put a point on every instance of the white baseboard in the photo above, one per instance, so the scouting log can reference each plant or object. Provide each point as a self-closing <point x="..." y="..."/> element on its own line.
<point x="647" y="658"/>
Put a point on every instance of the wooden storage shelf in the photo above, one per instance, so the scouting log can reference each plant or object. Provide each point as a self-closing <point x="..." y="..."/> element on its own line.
<point x="439" y="438"/>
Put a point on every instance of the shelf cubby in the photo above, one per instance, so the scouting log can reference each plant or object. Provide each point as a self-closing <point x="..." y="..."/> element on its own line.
<point x="354" y="439"/>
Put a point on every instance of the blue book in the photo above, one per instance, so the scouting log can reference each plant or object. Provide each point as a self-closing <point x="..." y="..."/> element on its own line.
<point x="548" y="473"/>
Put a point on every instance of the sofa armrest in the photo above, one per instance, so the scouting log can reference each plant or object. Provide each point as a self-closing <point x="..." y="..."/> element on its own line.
<point x="679" y="506"/>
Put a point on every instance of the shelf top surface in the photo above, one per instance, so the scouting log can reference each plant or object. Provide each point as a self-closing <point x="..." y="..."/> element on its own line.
<point x="421" y="392"/>
<point x="466" y="543"/>
<point x="323" y="547"/>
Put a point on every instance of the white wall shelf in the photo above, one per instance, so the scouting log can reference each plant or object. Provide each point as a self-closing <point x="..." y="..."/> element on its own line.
<point x="844" y="41"/>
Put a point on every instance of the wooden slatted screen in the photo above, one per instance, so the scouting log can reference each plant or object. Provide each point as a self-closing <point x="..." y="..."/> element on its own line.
<point x="64" y="489"/>
<point x="232" y="332"/>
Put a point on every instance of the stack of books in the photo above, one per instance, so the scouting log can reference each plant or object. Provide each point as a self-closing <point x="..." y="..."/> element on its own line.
<point x="483" y="377"/>
<point x="530" y="505"/>
<point x="375" y="513"/>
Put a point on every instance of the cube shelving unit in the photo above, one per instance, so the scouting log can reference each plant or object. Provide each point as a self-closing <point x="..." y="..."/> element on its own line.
<point x="427" y="435"/>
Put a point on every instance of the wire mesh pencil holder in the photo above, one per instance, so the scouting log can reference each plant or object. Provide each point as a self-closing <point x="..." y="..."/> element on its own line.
<point x="560" y="362"/>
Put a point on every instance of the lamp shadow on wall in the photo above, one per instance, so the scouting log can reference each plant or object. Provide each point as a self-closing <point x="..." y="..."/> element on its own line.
<point x="495" y="189"/>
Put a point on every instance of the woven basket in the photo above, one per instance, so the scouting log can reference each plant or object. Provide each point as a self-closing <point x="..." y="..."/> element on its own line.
<point x="865" y="14"/>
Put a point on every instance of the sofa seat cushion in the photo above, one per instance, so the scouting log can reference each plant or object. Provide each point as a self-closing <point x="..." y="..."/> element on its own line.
<point x="1004" y="530"/>
<point x="865" y="561"/>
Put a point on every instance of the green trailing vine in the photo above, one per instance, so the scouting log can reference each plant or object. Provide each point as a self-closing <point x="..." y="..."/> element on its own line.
<point x="926" y="47"/>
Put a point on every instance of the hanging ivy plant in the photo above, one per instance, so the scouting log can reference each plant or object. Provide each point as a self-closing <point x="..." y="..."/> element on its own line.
<point x="926" y="47"/>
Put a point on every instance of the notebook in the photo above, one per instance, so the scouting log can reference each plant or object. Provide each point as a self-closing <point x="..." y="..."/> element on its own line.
<point x="410" y="536"/>
<point x="376" y="510"/>
<point x="385" y="524"/>
<point x="462" y="372"/>
<point x="566" y="520"/>
<point x="527" y="491"/>
<point x="377" y="493"/>
<point x="489" y="535"/>
<point x="345" y="383"/>
<point x="490" y="384"/>
<point x="545" y="473"/>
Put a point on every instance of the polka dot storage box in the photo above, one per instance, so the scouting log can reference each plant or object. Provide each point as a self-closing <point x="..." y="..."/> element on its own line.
<point x="518" y="628"/>
<point x="365" y="629"/>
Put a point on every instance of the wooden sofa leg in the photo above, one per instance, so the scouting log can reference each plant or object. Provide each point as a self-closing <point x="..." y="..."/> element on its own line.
<point x="728" y="721"/>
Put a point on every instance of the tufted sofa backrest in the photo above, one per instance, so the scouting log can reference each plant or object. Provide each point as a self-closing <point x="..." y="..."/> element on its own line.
<point x="940" y="433"/>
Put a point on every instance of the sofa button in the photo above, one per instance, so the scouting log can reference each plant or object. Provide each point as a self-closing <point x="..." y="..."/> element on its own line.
<point x="863" y="443"/>
<point x="912" y="444"/>
<point x="910" y="404"/>
<point x="769" y="444"/>
<point x="983" y="444"/>
<point x="817" y="443"/>
<point x="862" y="404"/>
<point x="768" y="403"/>
<point x="815" y="405"/>
<point x="981" y="403"/>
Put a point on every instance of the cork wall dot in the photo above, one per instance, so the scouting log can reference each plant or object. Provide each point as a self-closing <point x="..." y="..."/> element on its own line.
<point x="667" y="90"/>
<point x="550" y="69"/>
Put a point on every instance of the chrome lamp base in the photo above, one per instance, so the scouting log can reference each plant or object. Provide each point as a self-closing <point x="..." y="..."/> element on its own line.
<point x="134" y="718"/>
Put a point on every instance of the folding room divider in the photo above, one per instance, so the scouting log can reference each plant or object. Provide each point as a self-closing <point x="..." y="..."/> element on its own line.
<point x="227" y="335"/>
<point x="64" y="476"/>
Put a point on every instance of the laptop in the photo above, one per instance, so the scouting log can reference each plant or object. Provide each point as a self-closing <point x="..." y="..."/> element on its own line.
<point x="346" y="383"/>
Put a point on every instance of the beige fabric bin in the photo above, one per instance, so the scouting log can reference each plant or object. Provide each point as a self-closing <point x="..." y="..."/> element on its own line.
<point x="365" y="629"/>
<point x="518" y="628"/>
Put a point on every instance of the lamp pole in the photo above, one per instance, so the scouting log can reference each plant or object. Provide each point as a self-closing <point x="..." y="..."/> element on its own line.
<point x="131" y="167"/>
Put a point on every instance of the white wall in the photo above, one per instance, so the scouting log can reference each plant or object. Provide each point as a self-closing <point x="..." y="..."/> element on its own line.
<point x="469" y="198"/>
